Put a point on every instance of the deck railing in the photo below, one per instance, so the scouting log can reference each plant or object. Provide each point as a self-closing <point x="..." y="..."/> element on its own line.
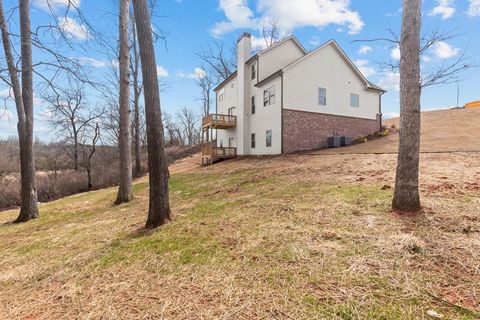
<point x="219" y="120"/>
<point x="211" y="149"/>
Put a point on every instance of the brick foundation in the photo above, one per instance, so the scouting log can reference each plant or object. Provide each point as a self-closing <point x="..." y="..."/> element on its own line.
<point x="308" y="130"/>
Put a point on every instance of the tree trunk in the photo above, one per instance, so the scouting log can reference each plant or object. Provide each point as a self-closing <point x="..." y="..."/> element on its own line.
<point x="124" y="141"/>
<point x="406" y="197"/>
<point x="89" y="177"/>
<point x="75" y="151"/>
<point x="136" y="102"/>
<point x="24" y="104"/>
<point x="159" y="208"/>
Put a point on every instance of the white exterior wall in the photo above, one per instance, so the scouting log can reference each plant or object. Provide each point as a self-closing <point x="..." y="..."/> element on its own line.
<point x="266" y="118"/>
<point x="327" y="69"/>
<point x="277" y="58"/>
<point x="222" y="108"/>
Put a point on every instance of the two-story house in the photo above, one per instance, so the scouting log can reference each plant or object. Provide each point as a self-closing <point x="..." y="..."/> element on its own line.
<point x="284" y="99"/>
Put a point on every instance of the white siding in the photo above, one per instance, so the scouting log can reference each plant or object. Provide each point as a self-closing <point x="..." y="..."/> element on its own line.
<point x="327" y="69"/>
<point x="266" y="118"/>
<point x="222" y="108"/>
<point x="277" y="58"/>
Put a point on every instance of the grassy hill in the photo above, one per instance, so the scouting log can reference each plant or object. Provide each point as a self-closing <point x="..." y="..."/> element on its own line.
<point x="442" y="131"/>
<point x="291" y="237"/>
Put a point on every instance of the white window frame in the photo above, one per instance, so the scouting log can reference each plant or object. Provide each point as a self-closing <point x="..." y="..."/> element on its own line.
<point x="269" y="96"/>
<point x="324" y="97"/>
<point x="253" y="140"/>
<point x="267" y="144"/>
<point x="221" y="95"/>
<point x="352" y="104"/>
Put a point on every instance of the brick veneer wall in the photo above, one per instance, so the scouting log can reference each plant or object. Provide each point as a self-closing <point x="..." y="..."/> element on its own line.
<point x="308" y="130"/>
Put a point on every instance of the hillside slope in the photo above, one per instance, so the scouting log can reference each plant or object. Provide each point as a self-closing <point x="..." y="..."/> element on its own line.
<point x="442" y="130"/>
<point x="292" y="237"/>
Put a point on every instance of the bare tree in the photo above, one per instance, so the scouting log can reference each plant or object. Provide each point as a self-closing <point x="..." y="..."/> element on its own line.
<point x="446" y="73"/>
<point x="172" y="130"/>
<point x="188" y="122"/>
<point x="90" y="136"/>
<point x="159" y="207"/>
<point x="220" y="64"/>
<point x="69" y="114"/>
<point x="205" y="83"/>
<point x="124" y="141"/>
<point x="137" y="91"/>
<point x="413" y="78"/>
<point x="23" y="94"/>
<point x="270" y="32"/>
<point x="406" y="196"/>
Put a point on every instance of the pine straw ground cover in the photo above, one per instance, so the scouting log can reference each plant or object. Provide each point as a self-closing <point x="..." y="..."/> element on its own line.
<point x="294" y="237"/>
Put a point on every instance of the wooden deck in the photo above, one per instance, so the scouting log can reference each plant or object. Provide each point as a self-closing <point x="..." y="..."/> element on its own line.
<point x="219" y="121"/>
<point x="212" y="153"/>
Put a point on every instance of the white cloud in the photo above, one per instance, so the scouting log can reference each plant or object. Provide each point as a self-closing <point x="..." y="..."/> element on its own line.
<point x="162" y="72"/>
<point x="365" y="69"/>
<point x="395" y="53"/>
<point x="46" y="114"/>
<point x="289" y="14"/>
<point x="197" y="74"/>
<point x="318" y="13"/>
<point x="426" y="58"/>
<point x="258" y="44"/>
<point x="444" y="51"/>
<point x="238" y="16"/>
<point x="92" y="62"/>
<point x="444" y="8"/>
<point x="364" y="49"/>
<point x="474" y="8"/>
<point x="390" y="81"/>
<point x="72" y="28"/>
<point x="55" y="4"/>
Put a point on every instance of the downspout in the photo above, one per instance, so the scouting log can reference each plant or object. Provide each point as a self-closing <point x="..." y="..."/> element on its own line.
<point x="380" y="109"/>
<point x="281" y="113"/>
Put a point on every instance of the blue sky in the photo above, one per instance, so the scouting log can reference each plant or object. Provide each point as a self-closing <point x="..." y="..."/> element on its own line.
<point x="191" y="24"/>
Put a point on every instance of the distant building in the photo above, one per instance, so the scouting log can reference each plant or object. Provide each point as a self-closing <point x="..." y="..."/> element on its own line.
<point x="284" y="99"/>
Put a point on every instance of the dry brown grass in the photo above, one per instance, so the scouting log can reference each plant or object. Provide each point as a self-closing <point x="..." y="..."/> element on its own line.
<point x="442" y="131"/>
<point x="290" y="237"/>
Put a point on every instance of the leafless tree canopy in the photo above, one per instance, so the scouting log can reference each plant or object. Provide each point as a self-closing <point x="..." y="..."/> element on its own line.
<point x="220" y="63"/>
<point x="205" y="84"/>
<point x="69" y="114"/>
<point x="271" y="32"/>
<point x="189" y="124"/>
<point x="446" y="73"/>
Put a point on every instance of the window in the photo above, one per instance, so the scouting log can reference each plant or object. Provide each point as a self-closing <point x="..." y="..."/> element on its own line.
<point x="322" y="96"/>
<point x="231" y="111"/>
<point x="252" y="141"/>
<point x="268" y="138"/>
<point x="269" y="96"/>
<point x="221" y="94"/>
<point x="254" y="72"/>
<point x="253" y="105"/>
<point x="354" y="100"/>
